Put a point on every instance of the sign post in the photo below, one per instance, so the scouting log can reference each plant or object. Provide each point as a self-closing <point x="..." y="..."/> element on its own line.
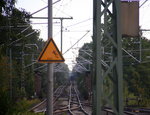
<point x="49" y="109"/>
<point x="50" y="55"/>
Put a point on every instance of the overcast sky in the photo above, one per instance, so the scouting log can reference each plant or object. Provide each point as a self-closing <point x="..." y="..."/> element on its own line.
<point x="73" y="30"/>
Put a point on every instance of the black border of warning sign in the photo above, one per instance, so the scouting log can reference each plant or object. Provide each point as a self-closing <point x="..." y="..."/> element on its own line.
<point x="50" y="61"/>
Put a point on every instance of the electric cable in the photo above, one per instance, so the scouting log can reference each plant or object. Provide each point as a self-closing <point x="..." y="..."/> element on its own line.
<point x="79" y="22"/>
<point x="143" y="3"/>
<point x="76" y="42"/>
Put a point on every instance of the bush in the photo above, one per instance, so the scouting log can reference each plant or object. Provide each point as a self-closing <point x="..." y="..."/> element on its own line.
<point x="21" y="107"/>
<point x="4" y="102"/>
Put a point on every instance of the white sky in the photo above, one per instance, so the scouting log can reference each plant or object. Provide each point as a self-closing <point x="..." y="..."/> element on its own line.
<point x="73" y="30"/>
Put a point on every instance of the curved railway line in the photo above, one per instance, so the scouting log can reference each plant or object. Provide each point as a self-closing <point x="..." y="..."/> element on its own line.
<point x="75" y="108"/>
<point x="66" y="100"/>
<point x="41" y="107"/>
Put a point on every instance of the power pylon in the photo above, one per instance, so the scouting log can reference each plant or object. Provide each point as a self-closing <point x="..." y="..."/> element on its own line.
<point x="108" y="80"/>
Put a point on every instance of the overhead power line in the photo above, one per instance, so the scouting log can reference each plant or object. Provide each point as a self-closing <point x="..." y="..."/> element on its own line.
<point x="76" y="42"/>
<point x="53" y="17"/>
<point x="22" y="38"/>
<point x="43" y="8"/>
<point x="143" y="3"/>
<point x="79" y="22"/>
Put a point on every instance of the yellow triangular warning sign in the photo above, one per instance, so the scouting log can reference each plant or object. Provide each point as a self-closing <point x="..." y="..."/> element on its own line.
<point x="50" y="53"/>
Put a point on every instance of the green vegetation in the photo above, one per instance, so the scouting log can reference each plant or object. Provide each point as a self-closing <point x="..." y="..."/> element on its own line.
<point x="84" y="58"/>
<point x="136" y="74"/>
<point x="61" y="76"/>
<point x="22" y="106"/>
<point x="20" y="46"/>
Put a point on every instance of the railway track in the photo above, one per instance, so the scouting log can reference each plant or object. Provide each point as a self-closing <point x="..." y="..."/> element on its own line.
<point x="72" y="104"/>
<point x="129" y="111"/>
<point x="75" y="108"/>
<point x="41" y="107"/>
<point x="66" y="100"/>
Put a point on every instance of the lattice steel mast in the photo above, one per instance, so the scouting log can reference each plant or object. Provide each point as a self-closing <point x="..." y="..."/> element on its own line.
<point x="107" y="38"/>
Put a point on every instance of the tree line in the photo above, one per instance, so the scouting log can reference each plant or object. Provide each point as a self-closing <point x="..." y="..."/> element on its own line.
<point x="20" y="46"/>
<point x="136" y="69"/>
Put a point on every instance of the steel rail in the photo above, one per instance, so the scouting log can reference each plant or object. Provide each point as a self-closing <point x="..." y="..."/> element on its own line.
<point x="71" y="96"/>
<point x="59" y="93"/>
<point x="79" y="102"/>
<point x="58" y="90"/>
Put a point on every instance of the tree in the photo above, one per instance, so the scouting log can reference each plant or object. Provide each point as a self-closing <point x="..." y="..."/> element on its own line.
<point x="136" y="74"/>
<point x="4" y="86"/>
<point x="61" y="74"/>
<point x="19" y="47"/>
<point x="6" y="6"/>
<point x="15" y="33"/>
<point x="82" y="70"/>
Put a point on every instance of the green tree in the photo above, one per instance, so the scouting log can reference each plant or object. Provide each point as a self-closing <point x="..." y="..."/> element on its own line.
<point x="4" y="86"/>
<point x="83" y="66"/>
<point x="16" y="39"/>
<point x="61" y="74"/>
<point x="136" y="74"/>
<point x="15" y="33"/>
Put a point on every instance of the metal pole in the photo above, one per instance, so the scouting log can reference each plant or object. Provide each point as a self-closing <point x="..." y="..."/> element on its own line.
<point x="10" y="60"/>
<point x="98" y="55"/>
<point x="50" y="66"/>
<point x="23" y="93"/>
<point x="32" y="60"/>
<point x="10" y="57"/>
<point x="117" y="53"/>
<point x="61" y="24"/>
<point x="61" y="21"/>
<point x="140" y="48"/>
